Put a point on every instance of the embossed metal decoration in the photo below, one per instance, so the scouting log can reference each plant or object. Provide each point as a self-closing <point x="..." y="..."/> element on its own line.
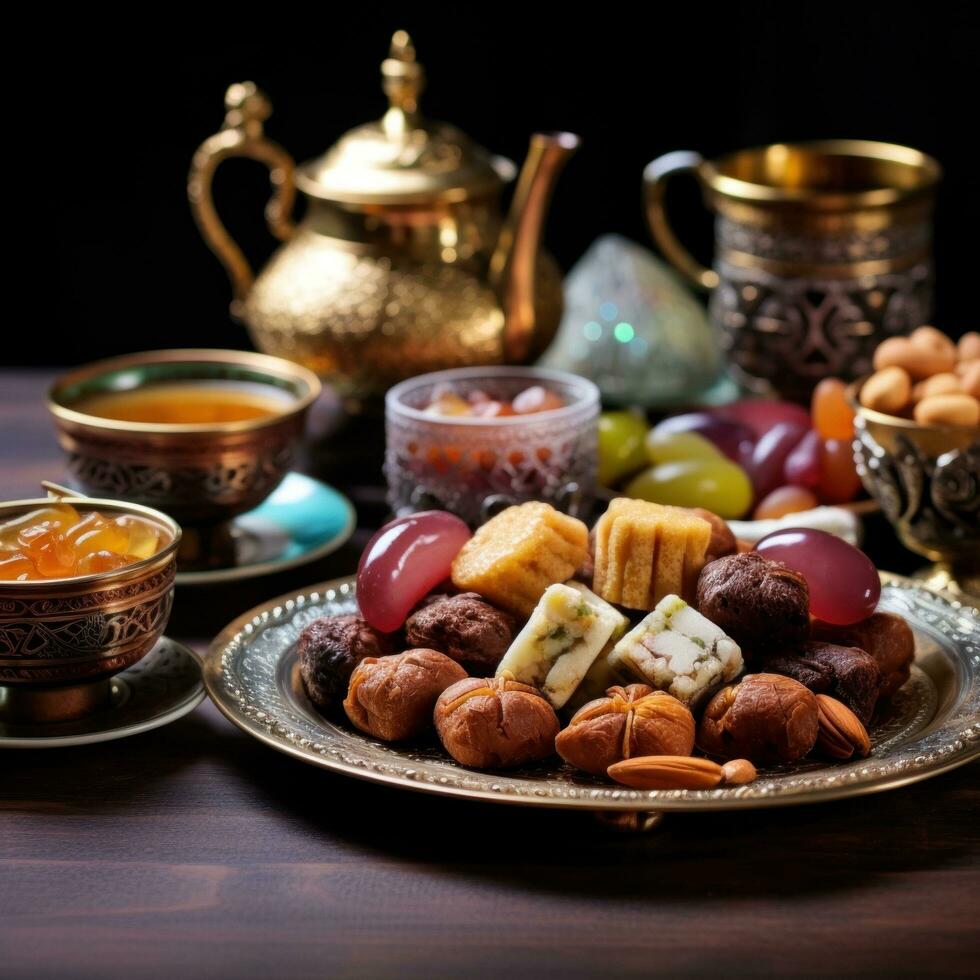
<point x="475" y="467"/>
<point x="403" y="262"/>
<point x="199" y="474"/>
<point x="927" y="480"/>
<point x="61" y="638"/>
<point x="932" y="724"/>
<point x="823" y="250"/>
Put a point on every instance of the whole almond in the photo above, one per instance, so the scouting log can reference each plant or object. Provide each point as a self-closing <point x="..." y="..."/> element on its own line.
<point x="887" y="390"/>
<point x="666" y="772"/>
<point x="939" y="384"/>
<point x="948" y="410"/>
<point x="840" y="733"/>
<point x="920" y="360"/>
<point x="935" y="342"/>
<point x="969" y="375"/>
<point x="968" y="348"/>
<point x="738" y="771"/>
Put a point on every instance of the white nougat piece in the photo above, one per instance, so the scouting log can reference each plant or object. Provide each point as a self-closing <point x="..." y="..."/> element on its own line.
<point x="675" y="649"/>
<point x="568" y="629"/>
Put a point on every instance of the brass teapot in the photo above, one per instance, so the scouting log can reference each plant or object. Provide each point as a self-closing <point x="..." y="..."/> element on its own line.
<point x="403" y="262"/>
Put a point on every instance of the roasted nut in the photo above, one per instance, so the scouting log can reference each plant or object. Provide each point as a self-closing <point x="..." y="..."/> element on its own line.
<point x="722" y="539"/>
<point x="969" y="374"/>
<point x="935" y="346"/>
<point x="766" y="718"/>
<point x="495" y="723"/>
<point x="946" y="383"/>
<point x="736" y="772"/>
<point x="968" y="348"/>
<point x="464" y="627"/>
<point x="667" y="772"/>
<point x="393" y="697"/>
<point x="954" y="409"/>
<point x="920" y="358"/>
<point x="329" y="649"/>
<point x="848" y="673"/>
<point x="840" y="733"/>
<point x="885" y="637"/>
<point x="761" y="604"/>
<point x="630" y="721"/>
<point x="887" y="390"/>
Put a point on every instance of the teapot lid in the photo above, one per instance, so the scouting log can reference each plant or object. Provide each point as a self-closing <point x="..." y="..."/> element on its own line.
<point x="403" y="158"/>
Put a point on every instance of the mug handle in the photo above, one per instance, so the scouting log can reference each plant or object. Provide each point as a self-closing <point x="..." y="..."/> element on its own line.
<point x="655" y="176"/>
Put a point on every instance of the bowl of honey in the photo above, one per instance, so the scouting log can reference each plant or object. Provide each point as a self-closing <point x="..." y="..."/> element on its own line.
<point x="202" y="435"/>
<point x="86" y="588"/>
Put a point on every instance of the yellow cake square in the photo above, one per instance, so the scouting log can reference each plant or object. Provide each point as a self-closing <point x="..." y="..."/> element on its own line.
<point x="644" y="551"/>
<point x="516" y="555"/>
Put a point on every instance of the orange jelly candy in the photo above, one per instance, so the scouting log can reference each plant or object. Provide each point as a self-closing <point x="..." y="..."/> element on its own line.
<point x="783" y="501"/>
<point x="839" y="481"/>
<point x="58" y="542"/>
<point x="832" y="416"/>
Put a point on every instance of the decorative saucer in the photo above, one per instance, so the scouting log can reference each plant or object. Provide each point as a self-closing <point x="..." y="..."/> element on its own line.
<point x="931" y="725"/>
<point x="162" y="687"/>
<point x="302" y="520"/>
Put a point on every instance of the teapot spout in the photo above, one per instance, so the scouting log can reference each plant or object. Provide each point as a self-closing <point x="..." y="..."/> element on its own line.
<point x="513" y="266"/>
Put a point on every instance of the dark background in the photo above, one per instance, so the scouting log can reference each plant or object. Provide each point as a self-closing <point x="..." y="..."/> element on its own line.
<point x="113" y="111"/>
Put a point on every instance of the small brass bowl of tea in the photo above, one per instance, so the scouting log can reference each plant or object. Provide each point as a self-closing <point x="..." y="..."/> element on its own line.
<point x="202" y="435"/>
<point x="62" y="639"/>
<point x="927" y="480"/>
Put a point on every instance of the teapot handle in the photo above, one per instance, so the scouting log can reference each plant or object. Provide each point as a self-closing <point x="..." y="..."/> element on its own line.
<point x="655" y="176"/>
<point x="241" y="135"/>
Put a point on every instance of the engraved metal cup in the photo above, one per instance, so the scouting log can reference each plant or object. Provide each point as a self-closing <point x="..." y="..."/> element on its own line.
<point x="61" y="640"/>
<point x="822" y="251"/>
<point x="927" y="480"/>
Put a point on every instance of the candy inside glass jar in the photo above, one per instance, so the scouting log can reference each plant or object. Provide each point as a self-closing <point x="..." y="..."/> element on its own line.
<point x="60" y="541"/>
<point x="536" y="441"/>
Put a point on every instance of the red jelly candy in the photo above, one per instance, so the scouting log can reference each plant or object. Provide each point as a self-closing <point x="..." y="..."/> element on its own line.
<point x="844" y="584"/>
<point x="403" y="562"/>
<point x="839" y="480"/>
<point x="761" y="414"/>
<point x="802" y="467"/>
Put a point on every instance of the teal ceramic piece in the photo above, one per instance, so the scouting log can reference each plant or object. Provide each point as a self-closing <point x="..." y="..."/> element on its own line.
<point x="302" y="520"/>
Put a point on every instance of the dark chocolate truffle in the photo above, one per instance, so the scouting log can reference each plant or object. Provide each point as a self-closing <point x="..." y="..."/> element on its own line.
<point x="885" y="637"/>
<point x="846" y="673"/>
<point x="463" y="627"/>
<point x="329" y="650"/>
<point x="761" y="604"/>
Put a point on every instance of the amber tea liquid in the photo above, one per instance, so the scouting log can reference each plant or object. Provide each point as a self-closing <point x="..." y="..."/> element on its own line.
<point x="189" y="402"/>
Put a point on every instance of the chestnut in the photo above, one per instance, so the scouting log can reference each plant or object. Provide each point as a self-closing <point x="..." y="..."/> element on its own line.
<point x="629" y="721"/>
<point x="392" y="697"/>
<point x="495" y="723"/>
<point x="766" y="718"/>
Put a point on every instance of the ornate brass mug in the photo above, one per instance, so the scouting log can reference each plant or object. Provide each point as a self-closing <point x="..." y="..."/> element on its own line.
<point x="823" y="250"/>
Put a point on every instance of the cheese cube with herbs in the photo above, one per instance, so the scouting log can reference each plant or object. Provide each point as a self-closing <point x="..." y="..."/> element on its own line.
<point x="569" y="628"/>
<point x="675" y="649"/>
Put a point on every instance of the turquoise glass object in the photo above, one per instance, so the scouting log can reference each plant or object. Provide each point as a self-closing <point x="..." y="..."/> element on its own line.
<point x="632" y="327"/>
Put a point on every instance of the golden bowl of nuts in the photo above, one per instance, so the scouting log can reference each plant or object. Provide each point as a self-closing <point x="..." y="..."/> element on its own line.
<point x="917" y="446"/>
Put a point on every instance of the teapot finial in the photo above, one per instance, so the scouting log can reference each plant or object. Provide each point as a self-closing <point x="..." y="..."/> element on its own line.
<point x="403" y="79"/>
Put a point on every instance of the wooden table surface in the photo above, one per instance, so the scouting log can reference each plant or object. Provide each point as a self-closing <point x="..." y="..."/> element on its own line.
<point x="195" y="851"/>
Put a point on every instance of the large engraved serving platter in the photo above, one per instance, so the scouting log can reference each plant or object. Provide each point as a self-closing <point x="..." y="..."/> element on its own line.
<point x="932" y="724"/>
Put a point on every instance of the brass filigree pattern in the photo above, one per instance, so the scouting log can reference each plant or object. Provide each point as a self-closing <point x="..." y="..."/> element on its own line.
<point x="250" y="673"/>
<point x="80" y="637"/>
<point x="932" y="499"/>
<point x="788" y="333"/>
